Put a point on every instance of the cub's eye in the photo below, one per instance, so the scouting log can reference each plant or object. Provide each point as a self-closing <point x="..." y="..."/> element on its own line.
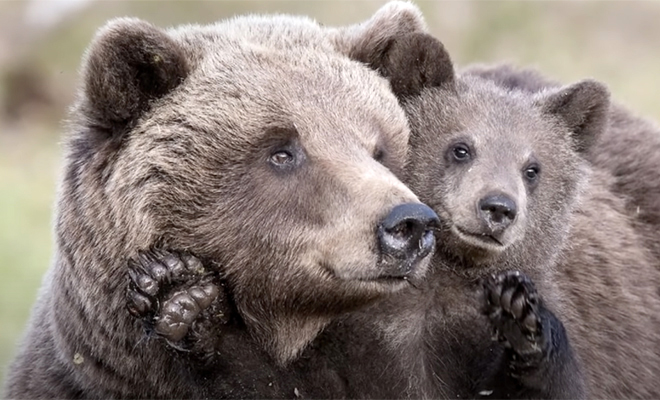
<point x="379" y="155"/>
<point x="282" y="158"/>
<point x="461" y="152"/>
<point x="532" y="173"/>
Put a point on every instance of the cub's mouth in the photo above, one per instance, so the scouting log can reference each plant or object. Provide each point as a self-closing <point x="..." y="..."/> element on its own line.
<point x="481" y="240"/>
<point x="391" y="284"/>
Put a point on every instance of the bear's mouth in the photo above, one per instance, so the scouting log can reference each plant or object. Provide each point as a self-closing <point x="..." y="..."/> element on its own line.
<point x="389" y="284"/>
<point x="386" y="279"/>
<point x="379" y="279"/>
<point x="482" y="240"/>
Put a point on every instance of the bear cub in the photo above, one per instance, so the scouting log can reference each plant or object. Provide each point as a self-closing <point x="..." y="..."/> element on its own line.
<point x="518" y="182"/>
<point x="628" y="149"/>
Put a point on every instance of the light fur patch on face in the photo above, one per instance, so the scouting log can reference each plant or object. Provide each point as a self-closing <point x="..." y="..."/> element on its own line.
<point x="374" y="191"/>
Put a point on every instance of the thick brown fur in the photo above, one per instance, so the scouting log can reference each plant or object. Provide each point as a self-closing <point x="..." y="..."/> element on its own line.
<point x="434" y="340"/>
<point x="250" y="143"/>
<point x="577" y="241"/>
<point x="580" y="243"/>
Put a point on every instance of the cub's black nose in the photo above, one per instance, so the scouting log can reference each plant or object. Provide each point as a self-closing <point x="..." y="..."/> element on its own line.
<point x="405" y="236"/>
<point x="497" y="211"/>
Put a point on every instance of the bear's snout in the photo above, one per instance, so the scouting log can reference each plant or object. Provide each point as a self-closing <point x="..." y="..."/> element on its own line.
<point x="497" y="212"/>
<point x="405" y="236"/>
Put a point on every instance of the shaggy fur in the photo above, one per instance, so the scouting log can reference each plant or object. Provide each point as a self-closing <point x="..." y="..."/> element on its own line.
<point x="572" y="233"/>
<point x="611" y="287"/>
<point x="433" y="340"/>
<point x="629" y="150"/>
<point x="255" y="145"/>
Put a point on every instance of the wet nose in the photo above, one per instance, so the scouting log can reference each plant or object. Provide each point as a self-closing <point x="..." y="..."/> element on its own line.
<point x="406" y="235"/>
<point x="498" y="211"/>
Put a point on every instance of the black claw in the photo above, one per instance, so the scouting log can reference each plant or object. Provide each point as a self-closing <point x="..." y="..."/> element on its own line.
<point x="530" y="322"/>
<point x="511" y="303"/>
<point x="495" y="294"/>
<point x="138" y="305"/>
<point x="505" y="300"/>
<point x="518" y="305"/>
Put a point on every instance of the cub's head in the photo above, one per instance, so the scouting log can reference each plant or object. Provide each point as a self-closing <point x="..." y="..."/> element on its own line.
<point x="256" y="146"/>
<point x="502" y="167"/>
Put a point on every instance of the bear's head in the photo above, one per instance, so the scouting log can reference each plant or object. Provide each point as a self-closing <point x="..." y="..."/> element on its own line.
<point x="255" y="145"/>
<point x="503" y="168"/>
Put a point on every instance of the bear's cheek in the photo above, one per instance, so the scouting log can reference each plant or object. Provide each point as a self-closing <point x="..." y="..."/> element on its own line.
<point x="348" y="250"/>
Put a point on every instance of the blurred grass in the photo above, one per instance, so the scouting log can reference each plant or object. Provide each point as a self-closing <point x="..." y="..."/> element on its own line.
<point x="616" y="42"/>
<point x="27" y="182"/>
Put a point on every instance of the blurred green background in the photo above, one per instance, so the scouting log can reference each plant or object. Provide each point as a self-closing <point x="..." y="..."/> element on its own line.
<point x="616" y="42"/>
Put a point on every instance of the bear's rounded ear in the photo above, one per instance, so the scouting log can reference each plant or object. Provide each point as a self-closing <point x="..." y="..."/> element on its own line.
<point x="392" y="20"/>
<point x="129" y="63"/>
<point x="414" y="62"/>
<point x="583" y="107"/>
<point x="395" y="42"/>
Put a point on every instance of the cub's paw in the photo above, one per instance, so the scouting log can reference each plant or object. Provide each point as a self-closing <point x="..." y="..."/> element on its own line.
<point x="169" y="291"/>
<point x="514" y="309"/>
<point x="538" y="359"/>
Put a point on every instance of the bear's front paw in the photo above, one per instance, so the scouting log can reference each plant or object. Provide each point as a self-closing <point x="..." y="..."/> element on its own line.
<point x="537" y="355"/>
<point x="513" y="306"/>
<point x="169" y="291"/>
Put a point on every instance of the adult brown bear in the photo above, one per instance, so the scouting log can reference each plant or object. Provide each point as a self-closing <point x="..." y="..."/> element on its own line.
<point x="430" y="340"/>
<point x="252" y="143"/>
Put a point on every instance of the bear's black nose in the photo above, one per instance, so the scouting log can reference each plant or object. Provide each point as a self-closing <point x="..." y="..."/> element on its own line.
<point x="497" y="211"/>
<point x="405" y="237"/>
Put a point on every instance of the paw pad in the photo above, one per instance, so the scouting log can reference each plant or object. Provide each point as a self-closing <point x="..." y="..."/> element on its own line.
<point x="152" y="275"/>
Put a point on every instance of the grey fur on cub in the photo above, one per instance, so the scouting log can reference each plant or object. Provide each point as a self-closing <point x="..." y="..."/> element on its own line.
<point x="629" y="150"/>
<point x="610" y="276"/>
<point x="510" y="172"/>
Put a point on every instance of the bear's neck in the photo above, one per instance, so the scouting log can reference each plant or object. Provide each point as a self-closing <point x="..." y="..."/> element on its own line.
<point x="285" y="332"/>
<point x="87" y="304"/>
<point x="284" y="336"/>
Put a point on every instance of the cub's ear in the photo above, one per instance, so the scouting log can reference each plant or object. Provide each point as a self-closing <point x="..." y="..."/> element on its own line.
<point x="129" y="64"/>
<point x="395" y="43"/>
<point x="583" y="108"/>
<point x="413" y="63"/>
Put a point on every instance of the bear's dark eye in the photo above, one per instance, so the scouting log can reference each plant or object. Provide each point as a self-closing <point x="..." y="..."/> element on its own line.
<point x="532" y="173"/>
<point x="460" y="152"/>
<point x="379" y="155"/>
<point x="282" y="158"/>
